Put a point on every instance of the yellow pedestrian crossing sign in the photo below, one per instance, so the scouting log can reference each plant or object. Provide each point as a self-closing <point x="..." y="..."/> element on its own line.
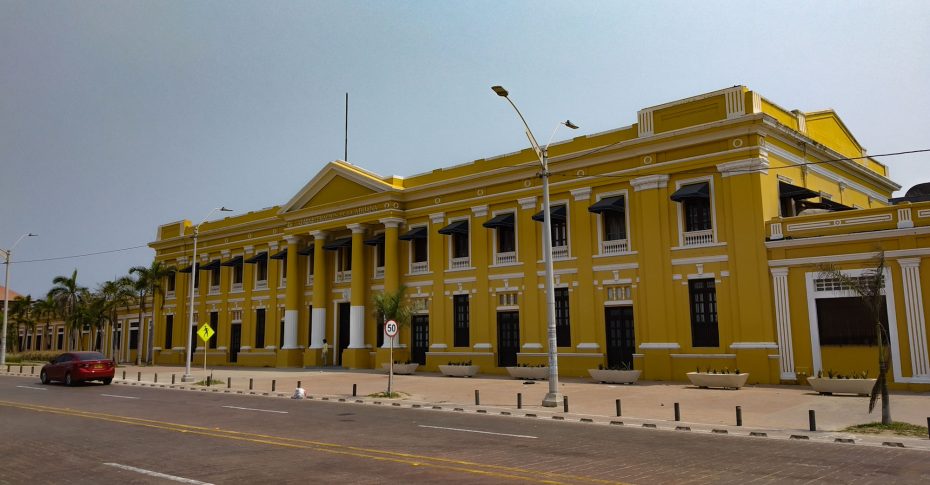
<point x="205" y="332"/>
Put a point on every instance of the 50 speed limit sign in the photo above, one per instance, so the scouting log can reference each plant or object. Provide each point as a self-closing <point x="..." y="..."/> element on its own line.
<point x="390" y="328"/>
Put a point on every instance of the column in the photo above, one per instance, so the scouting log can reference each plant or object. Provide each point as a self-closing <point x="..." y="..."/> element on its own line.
<point x="482" y="311"/>
<point x="391" y="262"/>
<point x="783" y="322"/>
<point x="357" y="300"/>
<point x="292" y="295"/>
<point x="914" y="308"/>
<point x="584" y="328"/>
<point x="532" y="322"/>
<point x="320" y="288"/>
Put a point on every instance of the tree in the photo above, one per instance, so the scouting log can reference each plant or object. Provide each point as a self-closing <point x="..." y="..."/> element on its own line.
<point x="148" y="283"/>
<point x="47" y="309"/>
<point x="69" y="295"/>
<point x="117" y="294"/>
<point x="22" y="316"/>
<point x="391" y="306"/>
<point x="869" y="287"/>
<point x="92" y="314"/>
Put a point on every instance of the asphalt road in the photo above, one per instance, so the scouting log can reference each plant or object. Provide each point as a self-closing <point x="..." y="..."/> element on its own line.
<point x="122" y="434"/>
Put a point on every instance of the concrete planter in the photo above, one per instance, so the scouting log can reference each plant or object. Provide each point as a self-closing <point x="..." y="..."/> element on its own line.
<point x="401" y="369"/>
<point x="726" y="381"/>
<point x="532" y="373"/>
<point x="827" y="386"/>
<point x="615" y="376"/>
<point x="459" y="370"/>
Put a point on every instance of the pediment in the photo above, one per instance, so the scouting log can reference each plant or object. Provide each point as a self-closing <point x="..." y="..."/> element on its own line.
<point x="336" y="182"/>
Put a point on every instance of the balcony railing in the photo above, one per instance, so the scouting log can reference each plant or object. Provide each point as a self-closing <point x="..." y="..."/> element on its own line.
<point x="343" y="276"/>
<point x="698" y="238"/>
<point x="419" y="267"/>
<point x="214" y="289"/>
<point x="459" y="263"/>
<point x="236" y="287"/>
<point x="310" y="280"/>
<point x="559" y="252"/>
<point x="505" y="258"/>
<point x="616" y="246"/>
<point x="261" y="285"/>
<point x="283" y="283"/>
<point x="169" y="295"/>
<point x="379" y="272"/>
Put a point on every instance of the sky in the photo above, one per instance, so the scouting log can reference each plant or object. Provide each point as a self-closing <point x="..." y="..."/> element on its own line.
<point x="119" y="116"/>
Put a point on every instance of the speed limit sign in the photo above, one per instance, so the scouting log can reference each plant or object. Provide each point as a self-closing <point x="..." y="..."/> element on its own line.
<point x="390" y="328"/>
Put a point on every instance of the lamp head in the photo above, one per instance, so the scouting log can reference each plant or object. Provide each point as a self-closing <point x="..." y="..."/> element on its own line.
<point x="500" y="91"/>
<point x="224" y="209"/>
<point x="569" y="124"/>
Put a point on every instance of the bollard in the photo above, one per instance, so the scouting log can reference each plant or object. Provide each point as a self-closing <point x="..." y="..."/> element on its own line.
<point x="298" y="384"/>
<point x="354" y="390"/>
<point x="477" y="398"/>
<point x="20" y="368"/>
<point x="229" y="383"/>
<point x="211" y="379"/>
<point x="272" y="385"/>
<point x="618" y="408"/>
<point x="124" y="375"/>
<point x="156" y="377"/>
<point x="32" y="370"/>
<point x="250" y="383"/>
<point x="8" y="367"/>
<point x="739" y="415"/>
<point x="812" y="418"/>
<point x="520" y="401"/>
<point x="928" y="427"/>
<point x="139" y="377"/>
<point x="677" y="412"/>
<point x="565" y="403"/>
<point x="172" y="379"/>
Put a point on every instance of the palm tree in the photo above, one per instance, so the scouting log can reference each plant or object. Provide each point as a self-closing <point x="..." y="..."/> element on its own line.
<point x="68" y="294"/>
<point x="92" y="314"/>
<point x="391" y="306"/>
<point x="117" y="293"/>
<point x="148" y="283"/>
<point x="46" y="308"/>
<point x="22" y="315"/>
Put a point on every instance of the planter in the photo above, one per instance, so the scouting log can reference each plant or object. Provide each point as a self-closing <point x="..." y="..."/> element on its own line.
<point x="459" y="370"/>
<point x="532" y="373"/>
<point x="827" y="386"/>
<point x="726" y="381"/>
<point x="401" y="369"/>
<point x="615" y="376"/>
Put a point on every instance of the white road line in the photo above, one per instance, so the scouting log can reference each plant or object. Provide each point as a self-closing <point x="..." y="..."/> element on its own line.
<point x="156" y="474"/>
<point x="36" y="388"/>
<point x="121" y="397"/>
<point x="253" y="409"/>
<point x="482" y="432"/>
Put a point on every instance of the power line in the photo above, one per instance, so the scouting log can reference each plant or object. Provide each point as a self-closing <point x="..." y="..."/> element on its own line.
<point x="79" y="255"/>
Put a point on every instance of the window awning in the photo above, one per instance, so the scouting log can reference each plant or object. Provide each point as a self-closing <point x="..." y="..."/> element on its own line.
<point x="692" y="191"/>
<point x="825" y="204"/>
<point x="788" y="191"/>
<point x="186" y="269"/>
<point x="212" y="265"/>
<point x="345" y="242"/>
<point x="457" y="227"/>
<point x="615" y="204"/>
<point x="415" y="233"/>
<point x="282" y="254"/>
<point x="377" y="240"/>
<point x="258" y="257"/>
<point x="499" y="221"/>
<point x="233" y="262"/>
<point x="557" y="212"/>
<point x="306" y="251"/>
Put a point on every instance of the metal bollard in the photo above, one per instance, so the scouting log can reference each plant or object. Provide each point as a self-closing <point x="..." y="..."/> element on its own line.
<point x="520" y="401"/>
<point x="354" y="390"/>
<point x="677" y="412"/>
<point x="20" y="368"/>
<point x="8" y="367"/>
<point x="928" y="427"/>
<point x="211" y="380"/>
<point x="739" y="416"/>
<point x="812" y="418"/>
<point x="565" y="403"/>
<point x="156" y="377"/>
<point x="32" y="369"/>
<point x="250" y="383"/>
<point x="619" y="413"/>
<point x="298" y="384"/>
<point x="477" y="398"/>
<point x="229" y="383"/>
<point x="272" y="385"/>
<point x="139" y="377"/>
<point x="124" y="375"/>
<point x="172" y="379"/>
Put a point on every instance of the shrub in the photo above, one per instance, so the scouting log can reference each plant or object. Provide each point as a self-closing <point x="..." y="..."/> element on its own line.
<point x="32" y="356"/>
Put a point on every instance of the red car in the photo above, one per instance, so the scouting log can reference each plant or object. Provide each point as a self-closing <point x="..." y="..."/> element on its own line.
<point x="74" y="367"/>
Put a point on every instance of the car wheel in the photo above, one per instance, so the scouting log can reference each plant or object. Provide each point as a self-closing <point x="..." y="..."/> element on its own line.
<point x="44" y="377"/>
<point x="107" y="381"/>
<point x="68" y="381"/>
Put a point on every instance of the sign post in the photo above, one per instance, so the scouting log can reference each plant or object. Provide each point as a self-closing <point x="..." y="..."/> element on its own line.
<point x="390" y="329"/>
<point x="205" y="332"/>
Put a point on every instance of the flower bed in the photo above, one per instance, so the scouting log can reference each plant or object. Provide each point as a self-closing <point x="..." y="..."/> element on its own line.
<point x="453" y="370"/>
<point x="615" y="376"/>
<point x="401" y="369"/>
<point x="532" y="373"/>
<point x="725" y="381"/>
<point x="828" y="386"/>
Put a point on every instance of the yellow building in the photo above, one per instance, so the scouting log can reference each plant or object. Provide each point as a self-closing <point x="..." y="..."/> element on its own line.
<point x="675" y="239"/>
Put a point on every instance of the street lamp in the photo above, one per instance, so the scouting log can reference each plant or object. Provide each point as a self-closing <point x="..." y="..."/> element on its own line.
<point x="553" y="397"/>
<point x="8" y="253"/>
<point x="188" y="377"/>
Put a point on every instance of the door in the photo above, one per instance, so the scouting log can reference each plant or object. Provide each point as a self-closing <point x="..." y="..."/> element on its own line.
<point x="621" y="342"/>
<point x="343" y="331"/>
<point x="419" y="327"/>
<point x="235" y="342"/>
<point x="508" y="338"/>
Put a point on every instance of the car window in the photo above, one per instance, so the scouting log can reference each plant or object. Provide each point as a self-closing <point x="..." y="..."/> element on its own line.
<point x="63" y="358"/>
<point x="91" y="356"/>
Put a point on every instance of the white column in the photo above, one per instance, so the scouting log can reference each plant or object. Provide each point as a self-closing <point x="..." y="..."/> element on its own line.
<point x="783" y="322"/>
<point x="914" y="308"/>
<point x="318" y="328"/>
<point x="290" y="329"/>
<point x="356" y="326"/>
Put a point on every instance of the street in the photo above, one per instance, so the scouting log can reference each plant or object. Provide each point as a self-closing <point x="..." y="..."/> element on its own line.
<point x="119" y="434"/>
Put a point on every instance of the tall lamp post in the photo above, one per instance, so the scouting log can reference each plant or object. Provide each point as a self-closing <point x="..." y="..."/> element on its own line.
<point x="8" y="254"/>
<point x="553" y="397"/>
<point x="188" y="377"/>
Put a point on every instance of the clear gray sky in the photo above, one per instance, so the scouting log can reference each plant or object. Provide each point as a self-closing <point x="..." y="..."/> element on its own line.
<point x="118" y="116"/>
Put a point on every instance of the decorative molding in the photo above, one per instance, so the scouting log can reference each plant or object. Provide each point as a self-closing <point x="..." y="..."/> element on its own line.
<point x="904" y="218"/>
<point x="702" y="356"/>
<point x="479" y="210"/>
<point x="659" y="345"/>
<point x="775" y="232"/>
<point x="527" y="203"/>
<point x="649" y="182"/>
<point x="588" y="346"/>
<point x="581" y="194"/>
<point x="736" y="102"/>
<point x="615" y="267"/>
<point x="840" y="222"/>
<point x="532" y="346"/>
<point x="839" y="238"/>
<point x="437" y="218"/>
<point x="721" y="258"/>
<point x="644" y="122"/>
<point x="744" y="167"/>
<point x="914" y="312"/>
<point x="753" y="345"/>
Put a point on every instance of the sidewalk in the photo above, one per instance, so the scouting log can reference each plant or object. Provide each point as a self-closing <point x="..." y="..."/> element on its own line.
<point x="778" y="410"/>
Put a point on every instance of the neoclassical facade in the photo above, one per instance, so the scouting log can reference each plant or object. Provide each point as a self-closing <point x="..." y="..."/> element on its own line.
<point x="684" y="240"/>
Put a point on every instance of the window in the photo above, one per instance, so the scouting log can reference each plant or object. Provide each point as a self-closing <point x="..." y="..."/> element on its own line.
<point x="420" y="250"/>
<point x="460" y="318"/>
<point x="697" y="215"/>
<point x="563" y="329"/>
<point x="134" y="335"/>
<point x="559" y="227"/>
<point x="703" y="297"/>
<point x="460" y="245"/>
<point x="380" y="339"/>
<point x="281" y="331"/>
<point x="261" y="269"/>
<point x="169" y="330"/>
<point x="169" y="283"/>
<point x="344" y="259"/>
<point x="215" y="276"/>
<point x="260" y="328"/>
<point x="237" y="274"/>
<point x="846" y="321"/>
<point x="196" y="279"/>
<point x="310" y="262"/>
<point x="614" y="225"/>
<point x="215" y="324"/>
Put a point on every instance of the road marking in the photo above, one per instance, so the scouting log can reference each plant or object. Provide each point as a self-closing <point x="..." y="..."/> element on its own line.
<point x="36" y="388"/>
<point x="253" y="409"/>
<point x="121" y="397"/>
<point x="479" y="431"/>
<point x="156" y="474"/>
